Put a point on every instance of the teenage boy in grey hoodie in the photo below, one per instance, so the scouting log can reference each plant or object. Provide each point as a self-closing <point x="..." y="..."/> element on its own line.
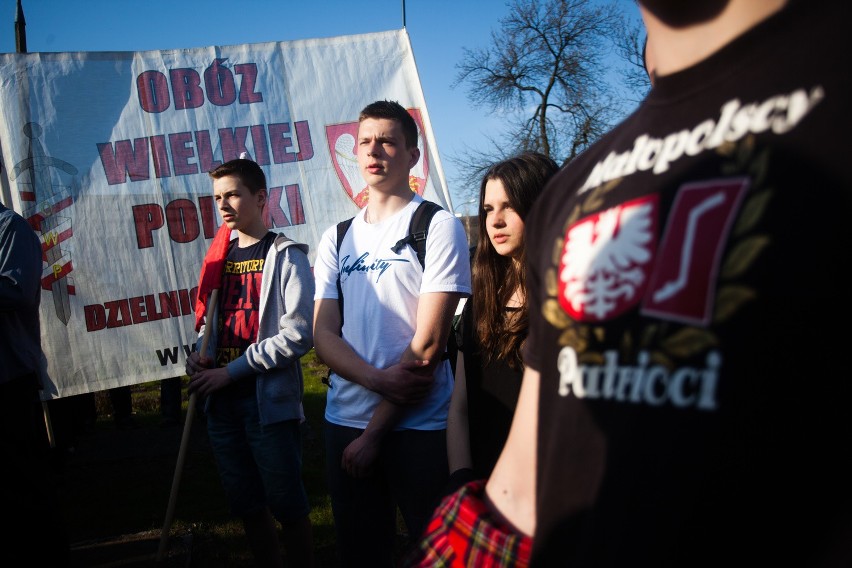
<point x="254" y="389"/>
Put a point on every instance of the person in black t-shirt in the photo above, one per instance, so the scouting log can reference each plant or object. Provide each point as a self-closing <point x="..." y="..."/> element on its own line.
<point x="685" y="401"/>
<point x="254" y="387"/>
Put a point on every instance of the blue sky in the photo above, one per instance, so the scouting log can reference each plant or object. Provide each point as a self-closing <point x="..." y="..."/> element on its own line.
<point x="439" y="31"/>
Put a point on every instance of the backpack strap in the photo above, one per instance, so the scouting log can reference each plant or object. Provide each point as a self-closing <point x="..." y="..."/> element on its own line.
<point x="418" y="230"/>
<point x="342" y="228"/>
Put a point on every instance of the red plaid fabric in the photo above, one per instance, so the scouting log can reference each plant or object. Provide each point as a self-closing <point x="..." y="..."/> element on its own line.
<point x="463" y="532"/>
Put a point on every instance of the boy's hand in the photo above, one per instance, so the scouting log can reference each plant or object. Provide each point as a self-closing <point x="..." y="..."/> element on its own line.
<point x="206" y="381"/>
<point x="360" y="455"/>
<point x="404" y="383"/>
<point x="196" y="363"/>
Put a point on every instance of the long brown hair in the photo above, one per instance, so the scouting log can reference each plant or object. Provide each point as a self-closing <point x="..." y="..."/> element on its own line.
<point x="496" y="277"/>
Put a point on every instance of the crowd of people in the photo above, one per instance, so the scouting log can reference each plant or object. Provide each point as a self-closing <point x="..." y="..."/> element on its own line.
<point x="648" y="348"/>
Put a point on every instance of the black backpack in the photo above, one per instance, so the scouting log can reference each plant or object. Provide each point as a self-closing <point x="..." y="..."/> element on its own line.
<point x="418" y="231"/>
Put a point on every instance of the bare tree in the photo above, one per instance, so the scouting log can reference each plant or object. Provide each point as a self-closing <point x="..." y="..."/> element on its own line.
<point x="546" y="73"/>
<point x="630" y="46"/>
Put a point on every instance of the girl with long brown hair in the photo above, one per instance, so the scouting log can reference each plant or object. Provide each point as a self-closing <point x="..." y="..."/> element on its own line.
<point x="493" y="325"/>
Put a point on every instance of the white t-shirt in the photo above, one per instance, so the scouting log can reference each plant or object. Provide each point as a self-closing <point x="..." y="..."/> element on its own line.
<point x="381" y="290"/>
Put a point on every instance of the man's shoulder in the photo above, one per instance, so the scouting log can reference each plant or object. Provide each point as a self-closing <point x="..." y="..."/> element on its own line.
<point x="289" y="249"/>
<point x="9" y="215"/>
<point x="433" y="211"/>
<point x="446" y="230"/>
<point x="12" y="220"/>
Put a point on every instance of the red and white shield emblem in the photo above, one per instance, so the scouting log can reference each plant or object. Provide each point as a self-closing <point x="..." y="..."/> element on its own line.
<point x="342" y="139"/>
<point x="606" y="260"/>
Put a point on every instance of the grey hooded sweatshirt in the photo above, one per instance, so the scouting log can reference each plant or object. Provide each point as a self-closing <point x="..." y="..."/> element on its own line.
<point x="285" y="333"/>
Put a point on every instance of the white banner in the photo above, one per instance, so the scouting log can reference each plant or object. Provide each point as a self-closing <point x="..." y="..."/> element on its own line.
<point x="106" y="154"/>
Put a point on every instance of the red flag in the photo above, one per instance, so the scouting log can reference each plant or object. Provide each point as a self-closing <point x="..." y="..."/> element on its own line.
<point x="210" y="277"/>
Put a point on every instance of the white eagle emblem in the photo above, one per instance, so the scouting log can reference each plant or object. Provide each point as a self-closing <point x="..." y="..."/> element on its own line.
<point x="606" y="260"/>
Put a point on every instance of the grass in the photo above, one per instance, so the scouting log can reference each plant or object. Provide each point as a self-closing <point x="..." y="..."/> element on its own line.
<point x="114" y="487"/>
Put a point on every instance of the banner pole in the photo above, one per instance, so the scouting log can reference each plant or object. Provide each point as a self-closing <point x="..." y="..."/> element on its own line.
<point x="48" y="424"/>
<point x="184" y="442"/>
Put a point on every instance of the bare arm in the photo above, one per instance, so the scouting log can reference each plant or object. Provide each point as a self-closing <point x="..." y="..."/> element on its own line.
<point x="458" y="429"/>
<point x="510" y="491"/>
<point x="434" y="315"/>
<point x="402" y="383"/>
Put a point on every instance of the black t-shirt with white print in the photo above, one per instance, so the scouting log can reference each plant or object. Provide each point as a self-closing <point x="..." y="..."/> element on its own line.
<point x="239" y="307"/>
<point x="689" y="305"/>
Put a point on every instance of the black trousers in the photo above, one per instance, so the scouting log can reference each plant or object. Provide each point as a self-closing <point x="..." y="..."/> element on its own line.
<point x="28" y="496"/>
<point x="411" y="473"/>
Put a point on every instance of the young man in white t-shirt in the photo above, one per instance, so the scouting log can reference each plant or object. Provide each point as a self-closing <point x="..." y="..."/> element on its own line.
<point x="390" y="386"/>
